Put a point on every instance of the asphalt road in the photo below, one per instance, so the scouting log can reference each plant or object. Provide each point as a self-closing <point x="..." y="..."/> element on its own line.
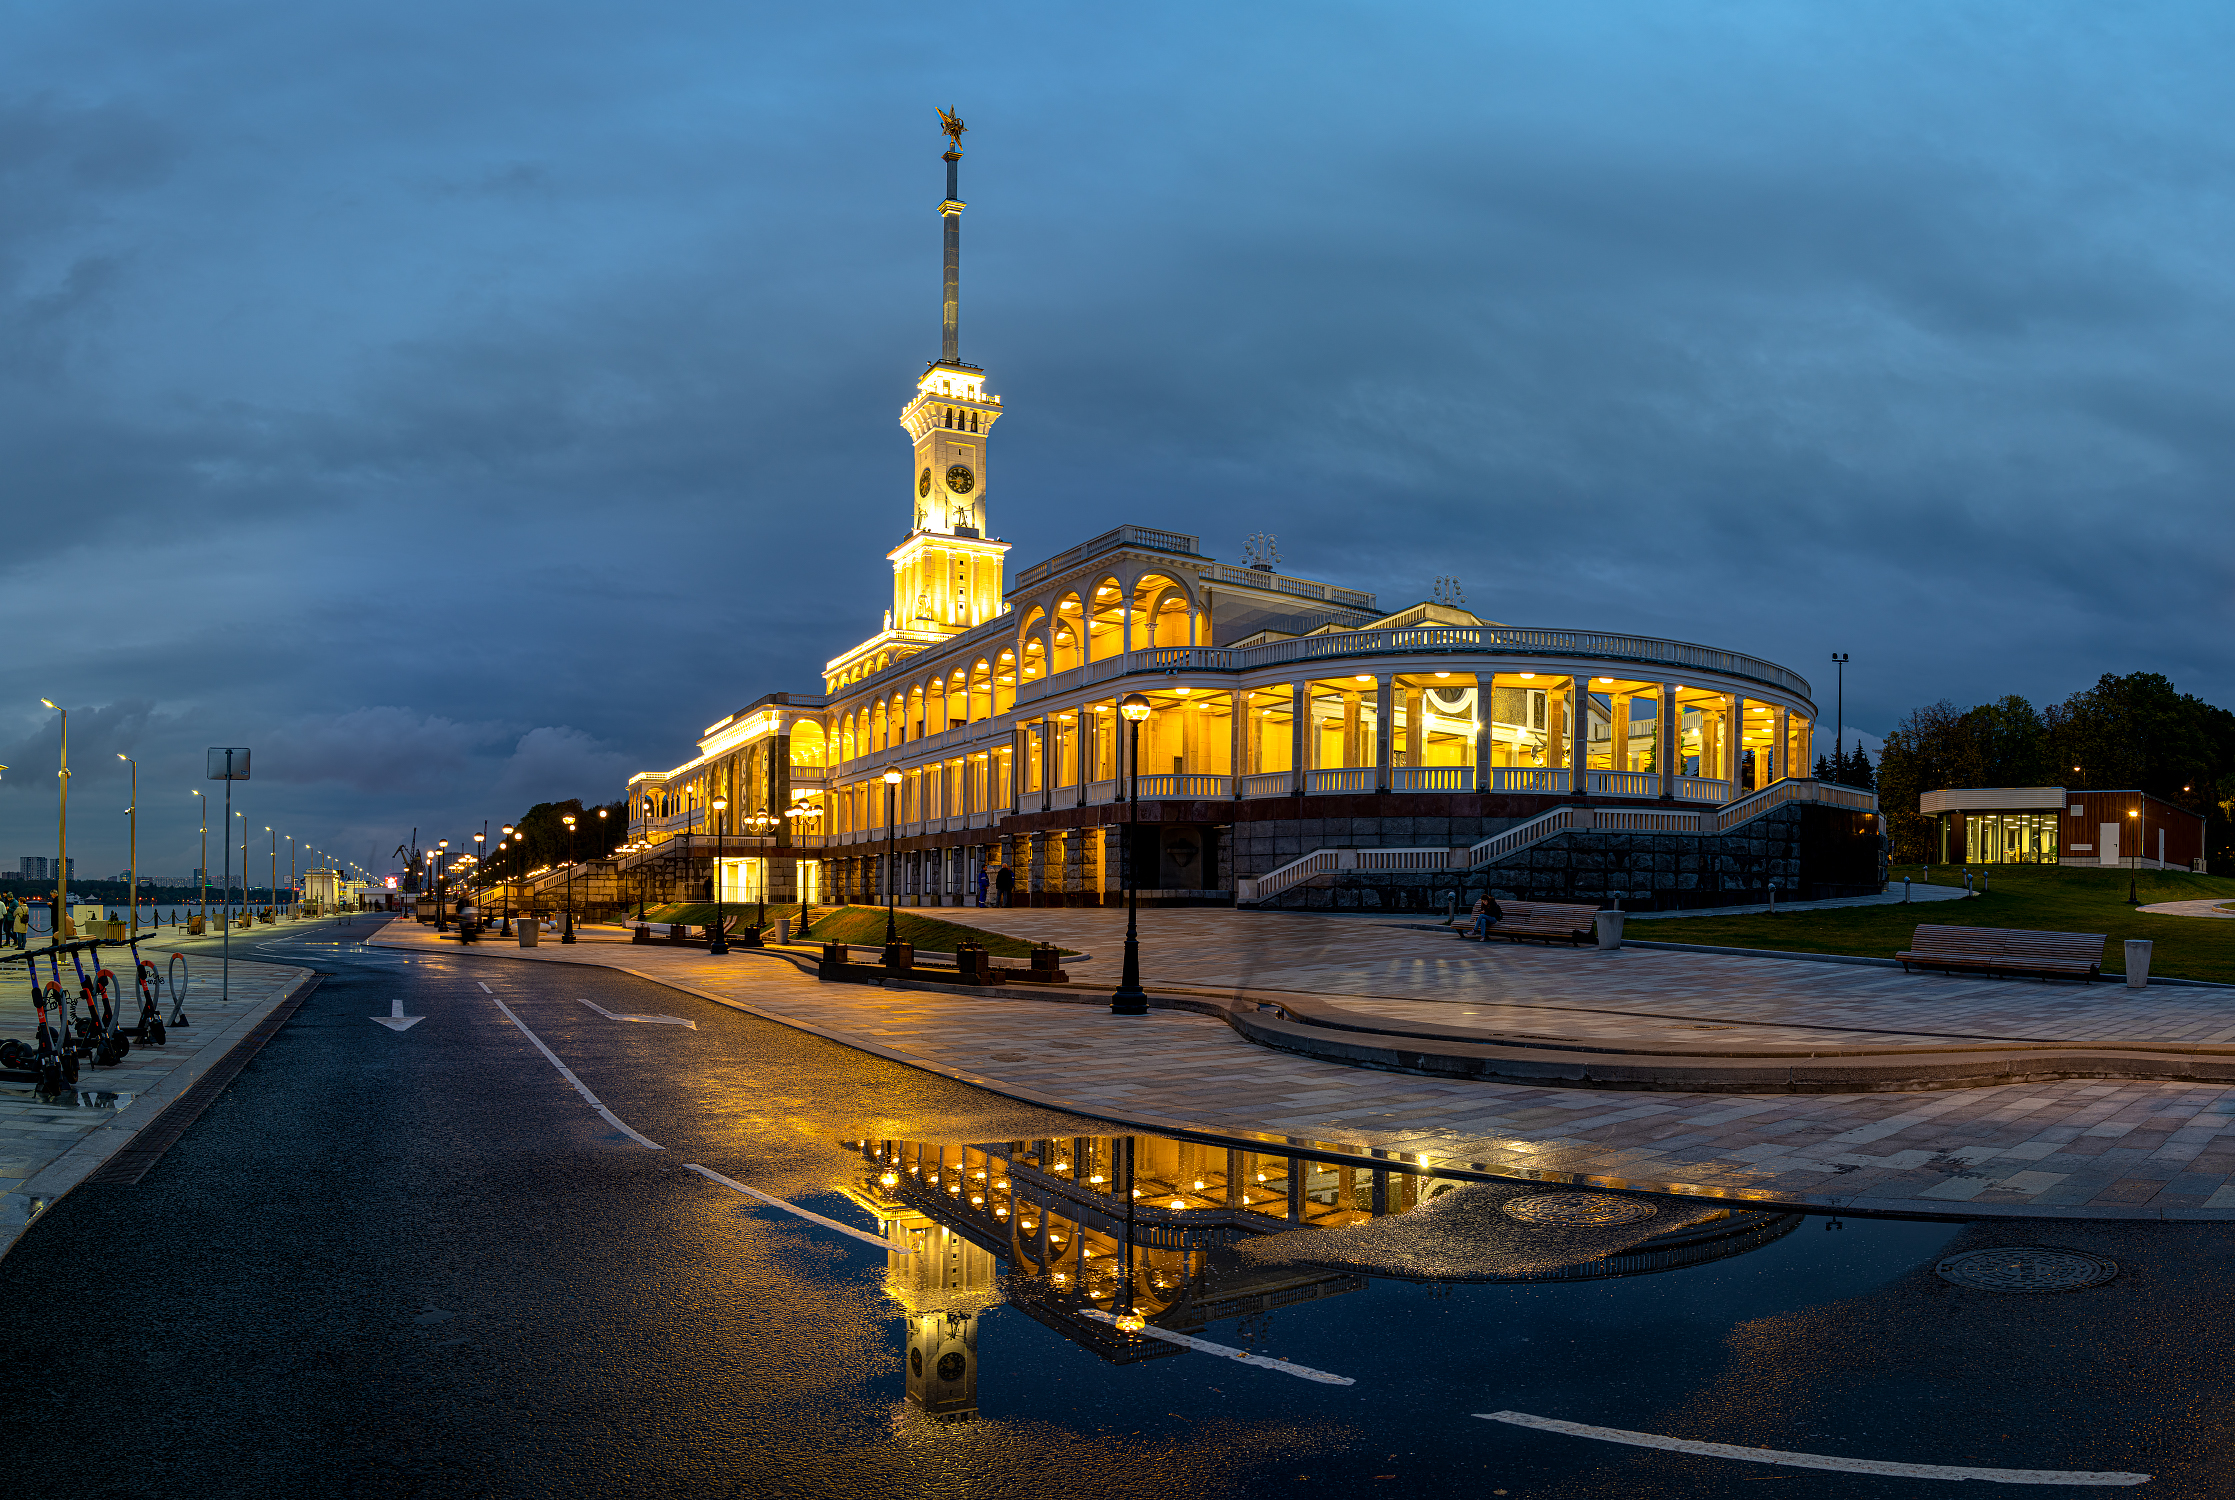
<point x="419" y="1262"/>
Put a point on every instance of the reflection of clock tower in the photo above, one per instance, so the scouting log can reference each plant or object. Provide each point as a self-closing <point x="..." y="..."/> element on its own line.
<point x="946" y="577"/>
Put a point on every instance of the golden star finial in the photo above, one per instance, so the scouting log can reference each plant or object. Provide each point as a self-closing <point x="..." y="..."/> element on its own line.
<point x="952" y="124"/>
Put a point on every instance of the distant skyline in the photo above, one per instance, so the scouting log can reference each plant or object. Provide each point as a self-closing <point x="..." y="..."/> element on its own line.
<point x="464" y="406"/>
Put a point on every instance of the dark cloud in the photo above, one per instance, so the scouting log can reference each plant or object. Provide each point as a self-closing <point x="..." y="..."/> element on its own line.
<point x="466" y="406"/>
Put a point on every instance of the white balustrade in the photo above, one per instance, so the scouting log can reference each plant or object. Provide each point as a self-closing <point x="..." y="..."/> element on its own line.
<point x="1431" y="779"/>
<point x="1269" y="784"/>
<point x="1546" y="780"/>
<point x="1353" y="779"/>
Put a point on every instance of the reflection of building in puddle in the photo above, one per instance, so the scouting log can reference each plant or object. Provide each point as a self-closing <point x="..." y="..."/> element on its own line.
<point x="1147" y="1225"/>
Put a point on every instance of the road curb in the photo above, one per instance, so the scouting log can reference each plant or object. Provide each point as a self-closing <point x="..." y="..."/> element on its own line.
<point x="54" y="1181"/>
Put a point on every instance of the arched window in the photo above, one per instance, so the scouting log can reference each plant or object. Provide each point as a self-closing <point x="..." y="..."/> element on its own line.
<point x="1105" y="620"/>
<point x="981" y="690"/>
<point x="877" y="726"/>
<point x="1065" y="637"/>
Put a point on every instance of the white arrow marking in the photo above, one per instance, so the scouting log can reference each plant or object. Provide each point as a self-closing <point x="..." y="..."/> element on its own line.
<point x="622" y="1016"/>
<point x="396" y="1020"/>
<point x="1205" y="1346"/>
<point x="1815" y="1460"/>
<point x="793" y="1208"/>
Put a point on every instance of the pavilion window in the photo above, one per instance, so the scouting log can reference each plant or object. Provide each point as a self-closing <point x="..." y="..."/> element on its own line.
<point x="1066" y="730"/>
<point x="1703" y="735"/>
<point x="1101" y="722"/>
<point x="1798" y="761"/>
<point x="1434" y="719"/>
<point x="1269" y="715"/>
<point x="1343" y="724"/>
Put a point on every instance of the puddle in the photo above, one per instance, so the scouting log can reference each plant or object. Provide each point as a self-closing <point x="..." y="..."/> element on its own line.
<point x="73" y="1098"/>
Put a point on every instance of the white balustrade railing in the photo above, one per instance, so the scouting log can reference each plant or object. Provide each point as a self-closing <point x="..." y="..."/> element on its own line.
<point x="1431" y="778"/>
<point x="1267" y="784"/>
<point x="1544" y="780"/>
<point x="1353" y="779"/>
<point x="1189" y="785"/>
<point x="1622" y="783"/>
<point x="1701" y="789"/>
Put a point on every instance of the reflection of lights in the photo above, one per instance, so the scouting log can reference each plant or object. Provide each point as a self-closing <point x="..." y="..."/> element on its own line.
<point x="1261" y="1177"/>
<point x="1029" y="1225"/>
<point x="1198" y="1184"/>
<point x="1097" y="1177"/>
<point x="1059" y="1275"/>
<point x="1001" y="1213"/>
<point x="975" y="1200"/>
<point x="952" y="1190"/>
<point x="1131" y="1322"/>
<point x="889" y="1179"/>
<point x="1177" y="1203"/>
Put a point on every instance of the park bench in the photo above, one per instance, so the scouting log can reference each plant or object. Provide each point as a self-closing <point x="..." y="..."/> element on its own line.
<point x="2006" y="950"/>
<point x="1550" y="921"/>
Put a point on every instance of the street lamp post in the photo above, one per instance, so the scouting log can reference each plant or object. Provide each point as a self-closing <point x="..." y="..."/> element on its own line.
<point x="717" y="941"/>
<point x="62" y="833"/>
<point x="133" y="812"/>
<point x="1839" y="730"/>
<point x="274" y="892"/>
<point x="293" y="883"/>
<point x="1130" y="999"/>
<point x="799" y="812"/>
<point x="892" y="867"/>
<point x="566" y="933"/>
<point x="204" y="871"/>
<point x="506" y="929"/>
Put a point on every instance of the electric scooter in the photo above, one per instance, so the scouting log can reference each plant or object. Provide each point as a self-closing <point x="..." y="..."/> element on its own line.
<point x="149" y="1033"/>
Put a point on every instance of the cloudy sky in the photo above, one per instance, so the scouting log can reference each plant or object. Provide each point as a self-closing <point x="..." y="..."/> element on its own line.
<point x="464" y="404"/>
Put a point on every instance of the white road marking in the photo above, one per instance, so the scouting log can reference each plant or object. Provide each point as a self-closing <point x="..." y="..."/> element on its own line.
<point x="793" y="1208"/>
<point x="624" y="1016"/>
<point x="396" y="1020"/>
<point x="1205" y="1346"/>
<point x="1815" y="1460"/>
<point x="484" y="988"/>
<point x="568" y="1074"/>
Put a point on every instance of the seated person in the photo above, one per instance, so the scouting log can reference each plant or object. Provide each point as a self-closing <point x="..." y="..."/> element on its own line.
<point x="1486" y="912"/>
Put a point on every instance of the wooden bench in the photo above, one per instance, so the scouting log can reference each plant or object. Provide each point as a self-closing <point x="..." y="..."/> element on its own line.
<point x="2006" y="950"/>
<point x="1550" y="921"/>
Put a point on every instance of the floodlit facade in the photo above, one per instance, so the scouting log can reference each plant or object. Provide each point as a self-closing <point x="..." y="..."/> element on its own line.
<point x="1302" y="740"/>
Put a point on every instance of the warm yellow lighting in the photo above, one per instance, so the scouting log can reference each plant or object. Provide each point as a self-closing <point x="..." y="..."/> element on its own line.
<point x="1198" y="1185"/>
<point x="893" y="776"/>
<point x="1131" y="1322"/>
<point x="1528" y="676"/>
<point x="49" y="702"/>
<point x="890" y="1179"/>
<point x="1443" y="674"/>
<point x="1134" y="707"/>
<point x="1176" y="1203"/>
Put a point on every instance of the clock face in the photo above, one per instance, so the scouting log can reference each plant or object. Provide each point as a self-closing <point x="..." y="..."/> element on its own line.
<point x="923" y="483"/>
<point x="961" y="480"/>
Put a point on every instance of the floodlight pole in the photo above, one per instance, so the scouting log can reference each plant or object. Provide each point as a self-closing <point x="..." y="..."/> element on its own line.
<point x="1839" y="730"/>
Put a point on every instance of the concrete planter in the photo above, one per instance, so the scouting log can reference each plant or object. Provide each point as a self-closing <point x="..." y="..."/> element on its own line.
<point x="1609" y="924"/>
<point x="2137" y="962"/>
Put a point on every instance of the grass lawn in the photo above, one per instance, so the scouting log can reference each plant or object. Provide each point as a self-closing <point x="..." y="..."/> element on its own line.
<point x="864" y="925"/>
<point x="2042" y="897"/>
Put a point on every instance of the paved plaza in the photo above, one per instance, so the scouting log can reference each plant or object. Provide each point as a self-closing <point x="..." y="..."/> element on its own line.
<point x="2077" y="1148"/>
<point x="48" y="1146"/>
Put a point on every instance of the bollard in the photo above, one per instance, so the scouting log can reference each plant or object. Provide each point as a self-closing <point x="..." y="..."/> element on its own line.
<point x="1904" y="890"/>
<point x="783" y="929"/>
<point x="2137" y="962"/>
<point x="1609" y="924"/>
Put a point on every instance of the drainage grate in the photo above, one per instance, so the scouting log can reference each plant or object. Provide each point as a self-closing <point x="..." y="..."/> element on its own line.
<point x="1578" y="1208"/>
<point x="2027" y="1268"/>
<point x="132" y="1162"/>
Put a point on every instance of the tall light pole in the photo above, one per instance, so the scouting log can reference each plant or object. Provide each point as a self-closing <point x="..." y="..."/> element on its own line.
<point x="293" y="885"/>
<point x="1839" y="730"/>
<point x="442" y="872"/>
<point x="1130" y="999"/>
<point x="892" y="867"/>
<point x="567" y="934"/>
<point x="716" y="940"/>
<point x="133" y="812"/>
<point x="505" y="842"/>
<point x="274" y="891"/>
<point x="229" y="763"/>
<point x="62" y="833"/>
<point x="203" y="873"/>
<point x="244" y="860"/>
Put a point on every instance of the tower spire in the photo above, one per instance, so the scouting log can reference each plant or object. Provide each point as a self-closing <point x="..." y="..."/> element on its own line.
<point x="951" y="212"/>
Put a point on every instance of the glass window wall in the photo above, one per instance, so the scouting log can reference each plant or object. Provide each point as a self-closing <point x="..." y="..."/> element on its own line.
<point x="2010" y="838"/>
<point x="1624" y="725"/>
<point x="1529" y="720"/>
<point x="1435" y="719"/>
<point x="1343" y="723"/>
<point x="1703" y="736"/>
<point x="1268" y="741"/>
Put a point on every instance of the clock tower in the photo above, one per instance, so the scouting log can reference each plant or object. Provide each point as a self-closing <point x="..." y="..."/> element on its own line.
<point x="946" y="576"/>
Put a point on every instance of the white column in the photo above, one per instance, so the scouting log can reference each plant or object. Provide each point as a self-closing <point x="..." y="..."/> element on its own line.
<point x="1382" y="716"/>
<point x="1579" y="735"/>
<point x="1299" y="733"/>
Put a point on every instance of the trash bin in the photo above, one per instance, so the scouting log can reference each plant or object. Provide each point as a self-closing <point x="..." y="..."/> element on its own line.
<point x="1610" y="929"/>
<point x="527" y="930"/>
<point x="2137" y="962"/>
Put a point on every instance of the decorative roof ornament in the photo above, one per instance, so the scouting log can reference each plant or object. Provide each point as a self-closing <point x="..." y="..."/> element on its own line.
<point x="952" y="124"/>
<point x="1450" y="594"/>
<point x="1261" y="553"/>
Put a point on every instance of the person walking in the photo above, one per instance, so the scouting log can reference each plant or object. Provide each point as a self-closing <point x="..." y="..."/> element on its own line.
<point x="981" y="885"/>
<point x="1005" y="886"/>
<point x="21" y="923"/>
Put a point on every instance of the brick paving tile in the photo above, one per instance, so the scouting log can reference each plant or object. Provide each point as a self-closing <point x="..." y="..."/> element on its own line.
<point x="1831" y="1151"/>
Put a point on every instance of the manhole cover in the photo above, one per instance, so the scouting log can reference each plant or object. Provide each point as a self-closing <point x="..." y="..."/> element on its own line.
<point x="2027" y="1268"/>
<point x="1578" y="1208"/>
